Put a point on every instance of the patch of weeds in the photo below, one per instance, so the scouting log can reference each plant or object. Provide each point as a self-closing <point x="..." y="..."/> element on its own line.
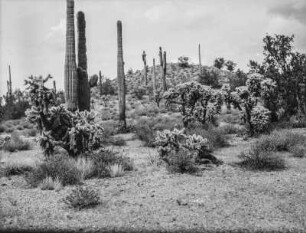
<point x="16" y="143"/>
<point x="82" y="198"/>
<point x="58" y="166"/>
<point x="85" y="167"/>
<point x="13" y="169"/>
<point x="181" y="162"/>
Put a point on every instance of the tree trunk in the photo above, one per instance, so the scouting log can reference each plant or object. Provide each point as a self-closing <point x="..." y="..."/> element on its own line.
<point x="121" y="78"/>
<point x="71" y="80"/>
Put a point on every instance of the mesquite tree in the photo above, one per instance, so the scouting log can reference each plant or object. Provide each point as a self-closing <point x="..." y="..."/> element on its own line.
<point x="71" y="79"/>
<point x="121" y="78"/>
<point x="84" y="89"/>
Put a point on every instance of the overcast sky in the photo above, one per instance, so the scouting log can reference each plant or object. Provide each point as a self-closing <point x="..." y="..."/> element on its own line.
<point x="32" y="36"/>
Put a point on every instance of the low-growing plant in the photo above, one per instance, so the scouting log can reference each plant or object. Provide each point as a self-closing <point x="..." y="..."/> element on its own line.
<point x="16" y="143"/>
<point x="12" y="169"/>
<point x="82" y="198"/>
<point x="85" y="167"/>
<point x="298" y="151"/>
<point x="116" y="170"/>
<point x="58" y="166"/>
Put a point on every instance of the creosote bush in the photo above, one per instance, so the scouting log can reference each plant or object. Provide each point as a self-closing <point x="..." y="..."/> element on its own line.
<point x="82" y="198"/>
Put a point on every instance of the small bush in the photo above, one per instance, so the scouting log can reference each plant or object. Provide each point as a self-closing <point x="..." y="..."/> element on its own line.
<point x="85" y="167"/>
<point x="16" y="144"/>
<point x="60" y="167"/>
<point x="232" y="129"/>
<point x="145" y="133"/>
<point x="2" y="128"/>
<point x="182" y="162"/>
<point x="12" y="169"/>
<point x="81" y="198"/>
<point x="298" y="151"/>
<point x="262" y="160"/>
<point x="51" y="184"/>
<point x="31" y="132"/>
<point x="116" y="141"/>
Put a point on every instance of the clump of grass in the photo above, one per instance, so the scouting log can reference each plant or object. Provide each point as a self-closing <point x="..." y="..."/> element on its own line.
<point x="85" y="167"/>
<point x="51" y="184"/>
<point x="116" y="170"/>
<point x="82" y="198"/>
<point x="58" y="166"/>
<point x="16" y="143"/>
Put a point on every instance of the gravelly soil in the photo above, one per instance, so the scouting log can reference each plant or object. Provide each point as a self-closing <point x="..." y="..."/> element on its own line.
<point x="150" y="198"/>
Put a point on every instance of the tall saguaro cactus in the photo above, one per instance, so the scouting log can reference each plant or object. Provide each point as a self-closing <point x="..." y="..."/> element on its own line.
<point x="154" y="79"/>
<point x="71" y="80"/>
<point x="84" y="89"/>
<point x="164" y="71"/>
<point x="144" y="59"/>
<point x="100" y="83"/>
<point x="161" y="56"/>
<point x="200" y="64"/>
<point x="9" y="84"/>
<point x="121" y="77"/>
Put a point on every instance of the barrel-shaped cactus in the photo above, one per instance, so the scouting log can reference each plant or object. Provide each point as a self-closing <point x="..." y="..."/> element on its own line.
<point x="71" y="79"/>
<point x="121" y="77"/>
<point x="84" y="89"/>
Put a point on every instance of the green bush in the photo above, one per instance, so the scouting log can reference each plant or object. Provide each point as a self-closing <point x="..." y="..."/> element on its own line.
<point x="16" y="143"/>
<point x="81" y="198"/>
<point x="262" y="160"/>
<point x="57" y="167"/>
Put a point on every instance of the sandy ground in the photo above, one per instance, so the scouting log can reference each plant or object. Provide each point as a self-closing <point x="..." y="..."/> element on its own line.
<point x="223" y="198"/>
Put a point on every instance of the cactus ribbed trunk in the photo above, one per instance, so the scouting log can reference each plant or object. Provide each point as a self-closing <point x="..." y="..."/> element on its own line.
<point x="100" y="83"/>
<point x="200" y="64"/>
<point x="145" y="67"/>
<point x="121" y="77"/>
<point x="84" y="89"/>
<point x="54" y="86"/>
<point x="164" y="71"/>
<point x="154" y="79"/>
<point x="71" y="79"/>
<point x="161" y="56"/>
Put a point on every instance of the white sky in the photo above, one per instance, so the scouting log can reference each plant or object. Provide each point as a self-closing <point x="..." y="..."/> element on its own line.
<point x="32" y="32"/>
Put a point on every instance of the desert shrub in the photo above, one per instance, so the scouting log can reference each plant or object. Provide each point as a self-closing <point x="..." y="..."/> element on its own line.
<point x="191" y="149"/>
<point x="260" y="119"/>
<point x="183" y="62"/>
<point x="279" y="141"/>
<point x="209" y="78"/>
<point x="31" y="132"/>
<point x="2" y="128"/>
<point x="13" y="169"/>
<point x="145" y="133"/>
<point x="85" y="167"/>
<point x="118" y="141"/>
<point x="16" y="143"/>
<point x="215" y="136"/>
<point x="102" y="161"/>
<point x="232" y="129"/>
<point x="58" y="166"/>
<point x="51" y="184"/>
<point x="82" y="198"/>
<point x="262" y="160"/>
<point x="139" y="92"/>
<point x="182" y="162"/>
<point x="298" y="151"/>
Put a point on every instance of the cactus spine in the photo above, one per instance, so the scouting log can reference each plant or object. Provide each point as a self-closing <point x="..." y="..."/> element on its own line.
<point x="84" y="89"/>
<point x="121" y="77"/>
<point x="145" y="66"/>
<point x="100" y="83"/>
<point x="71" y="80"/>
<point x="164" y="71"/>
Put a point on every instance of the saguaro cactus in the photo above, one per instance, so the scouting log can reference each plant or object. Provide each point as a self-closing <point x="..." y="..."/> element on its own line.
<point x="9" y="85"/>
<point x="145" y="66"/>
<point x="154" y="79"/>
<point x="71" y="80"/>
<point x="84" y="89"/>
<point x="200" y="64"/>
<point x="121" y="77"/>
<point x="100" y="83"/>
<point x="161" y="56"/>
<point x="164" y="71"/>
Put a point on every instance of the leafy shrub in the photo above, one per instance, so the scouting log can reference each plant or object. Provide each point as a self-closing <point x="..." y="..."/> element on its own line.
<point x="81" y="198"/>
<point x="58" y="166"/>
<point x="51" y="184"/>
<point x="262" y="160"/>
<point x="16" y="143"/>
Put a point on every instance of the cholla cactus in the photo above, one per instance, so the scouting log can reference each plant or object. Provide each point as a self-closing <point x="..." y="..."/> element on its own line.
<point x="260" y="119"/>
<point x="169" y="143"/>
<point x="195" y="101"/>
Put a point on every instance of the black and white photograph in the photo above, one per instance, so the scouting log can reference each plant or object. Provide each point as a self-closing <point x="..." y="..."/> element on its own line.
<point x="153" y="116"/>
